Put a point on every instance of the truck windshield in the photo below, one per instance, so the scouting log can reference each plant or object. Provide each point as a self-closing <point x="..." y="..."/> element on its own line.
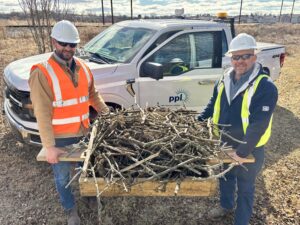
<point x="118" y="43"/>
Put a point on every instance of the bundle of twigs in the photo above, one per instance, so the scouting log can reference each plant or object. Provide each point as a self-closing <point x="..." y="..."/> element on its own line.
<point x="153" y="144"/>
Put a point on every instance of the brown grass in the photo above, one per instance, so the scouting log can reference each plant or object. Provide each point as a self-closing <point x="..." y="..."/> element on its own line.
<point x="286" y="34"/>
<point x="12" y="21"/>
<point x="3" y="34"/>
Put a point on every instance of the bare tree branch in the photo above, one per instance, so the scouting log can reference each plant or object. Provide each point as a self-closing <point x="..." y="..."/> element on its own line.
<point x="41" y="14"/>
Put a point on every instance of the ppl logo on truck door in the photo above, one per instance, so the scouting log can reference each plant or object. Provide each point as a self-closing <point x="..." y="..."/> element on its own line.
<point x="181" y="96"/>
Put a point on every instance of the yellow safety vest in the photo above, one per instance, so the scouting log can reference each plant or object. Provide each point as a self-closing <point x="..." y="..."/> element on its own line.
<point x="244" y="112"/>
<point x="183" y="69"/>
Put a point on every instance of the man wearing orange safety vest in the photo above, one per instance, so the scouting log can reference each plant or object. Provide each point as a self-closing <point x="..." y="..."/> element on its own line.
<point x="62" y="89"/>
<point x="242" y="106"/>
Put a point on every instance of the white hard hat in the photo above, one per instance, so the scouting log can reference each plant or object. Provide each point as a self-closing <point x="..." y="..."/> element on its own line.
<point x="242" y="42"/>
<point x="65" y="31"/>
<point x="176" y="60"/>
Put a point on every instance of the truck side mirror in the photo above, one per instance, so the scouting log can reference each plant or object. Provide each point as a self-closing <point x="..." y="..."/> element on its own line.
<point x="153" y="70"/>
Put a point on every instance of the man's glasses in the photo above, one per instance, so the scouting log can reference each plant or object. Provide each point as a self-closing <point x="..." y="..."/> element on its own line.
<point x="243" y="57"/>
<point x="65" y="44"/>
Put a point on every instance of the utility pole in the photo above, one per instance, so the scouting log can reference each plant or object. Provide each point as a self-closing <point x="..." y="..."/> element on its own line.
<point x="103" y="21"/>
<point x="131" y="9"/>
<point x="241" y="11"/>
<point x="292" y="10"/>
<point x="112" y="12"/>
<point x="280" y="11"/>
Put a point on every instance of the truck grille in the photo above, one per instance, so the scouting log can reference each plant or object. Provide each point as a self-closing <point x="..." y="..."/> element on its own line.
<point x="17" y="101"/>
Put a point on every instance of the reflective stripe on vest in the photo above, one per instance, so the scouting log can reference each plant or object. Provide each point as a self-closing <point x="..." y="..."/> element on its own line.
<point x="75" y="119"/>
<point x="57" y="90"/>
<point x="70" y="103"/>
<point x="56" y="86"/>
<point x="217" y="109"/>
<point x="244" y="111"/>
<point x="86" y="71"/>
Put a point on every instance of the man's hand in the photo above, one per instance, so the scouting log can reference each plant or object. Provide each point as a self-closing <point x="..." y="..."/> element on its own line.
<point x="236" y="157"/>
<point x="52" y="154"/>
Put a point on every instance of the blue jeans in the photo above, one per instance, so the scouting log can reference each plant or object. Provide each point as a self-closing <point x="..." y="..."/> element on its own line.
<point x="244" y="182"/>
<point x="61" y="172"/>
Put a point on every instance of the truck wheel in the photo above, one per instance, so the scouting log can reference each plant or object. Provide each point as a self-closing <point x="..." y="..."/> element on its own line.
<point x="113" y="106"/>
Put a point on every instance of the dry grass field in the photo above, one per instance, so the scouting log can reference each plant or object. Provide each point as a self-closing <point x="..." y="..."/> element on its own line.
<point x="27" y="190"/>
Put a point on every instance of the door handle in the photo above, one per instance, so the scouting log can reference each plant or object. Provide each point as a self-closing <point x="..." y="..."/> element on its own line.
<point x="206" y="82"/>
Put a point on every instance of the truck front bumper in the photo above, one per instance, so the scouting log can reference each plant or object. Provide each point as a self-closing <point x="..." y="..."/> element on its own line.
<point x="26" y="132"/>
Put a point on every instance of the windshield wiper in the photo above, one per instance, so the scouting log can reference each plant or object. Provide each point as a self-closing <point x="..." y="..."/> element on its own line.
<point x="102" y="58"/>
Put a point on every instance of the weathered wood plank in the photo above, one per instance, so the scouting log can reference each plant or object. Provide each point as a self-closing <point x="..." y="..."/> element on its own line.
<point x="74" y="156"/>
<point x="188" y="187"/>
<point x="79" y="156"/>
<point x="226" y="159"/>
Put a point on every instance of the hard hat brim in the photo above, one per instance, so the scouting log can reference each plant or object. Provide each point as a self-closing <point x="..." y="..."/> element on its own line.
<point x="67" y="40"/>
<point x="229" y="53"/>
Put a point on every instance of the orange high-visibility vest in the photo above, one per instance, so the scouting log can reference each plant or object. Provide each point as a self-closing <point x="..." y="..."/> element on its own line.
<point x="70" y="104"/>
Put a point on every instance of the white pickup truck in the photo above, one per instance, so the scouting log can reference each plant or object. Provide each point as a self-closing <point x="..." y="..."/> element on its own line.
<point x="167" y="62"/>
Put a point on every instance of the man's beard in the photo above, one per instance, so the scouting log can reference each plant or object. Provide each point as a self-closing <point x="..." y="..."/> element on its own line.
<point x="63" y="57"/>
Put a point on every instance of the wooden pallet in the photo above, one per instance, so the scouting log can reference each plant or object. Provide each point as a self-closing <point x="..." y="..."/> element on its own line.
<point x="73" y="156"/>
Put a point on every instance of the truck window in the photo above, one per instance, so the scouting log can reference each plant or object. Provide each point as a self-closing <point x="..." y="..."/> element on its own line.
<point x="160" y="40"/>
<point x="175" y="56"/>
<point x="204" y="46"/>
<point x="206" y="50"/>
<point x="119" y="44"/>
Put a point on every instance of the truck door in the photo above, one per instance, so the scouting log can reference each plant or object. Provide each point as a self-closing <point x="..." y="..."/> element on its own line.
<point x="191" y="61"/>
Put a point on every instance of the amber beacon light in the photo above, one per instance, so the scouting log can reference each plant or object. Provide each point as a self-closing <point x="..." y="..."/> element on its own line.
<point x="222" y="15"/>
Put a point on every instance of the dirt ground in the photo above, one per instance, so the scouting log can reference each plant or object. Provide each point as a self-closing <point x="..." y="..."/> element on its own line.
<point x="28" y="193"/>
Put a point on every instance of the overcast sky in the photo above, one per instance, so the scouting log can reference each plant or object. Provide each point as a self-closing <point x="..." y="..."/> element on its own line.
<point x="167" y="7"/>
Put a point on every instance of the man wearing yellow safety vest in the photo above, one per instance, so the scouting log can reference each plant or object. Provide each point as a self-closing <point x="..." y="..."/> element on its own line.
<point x="244" y="99"/>
<point x="177" y="67"/>
<point x="62" y="89"/>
